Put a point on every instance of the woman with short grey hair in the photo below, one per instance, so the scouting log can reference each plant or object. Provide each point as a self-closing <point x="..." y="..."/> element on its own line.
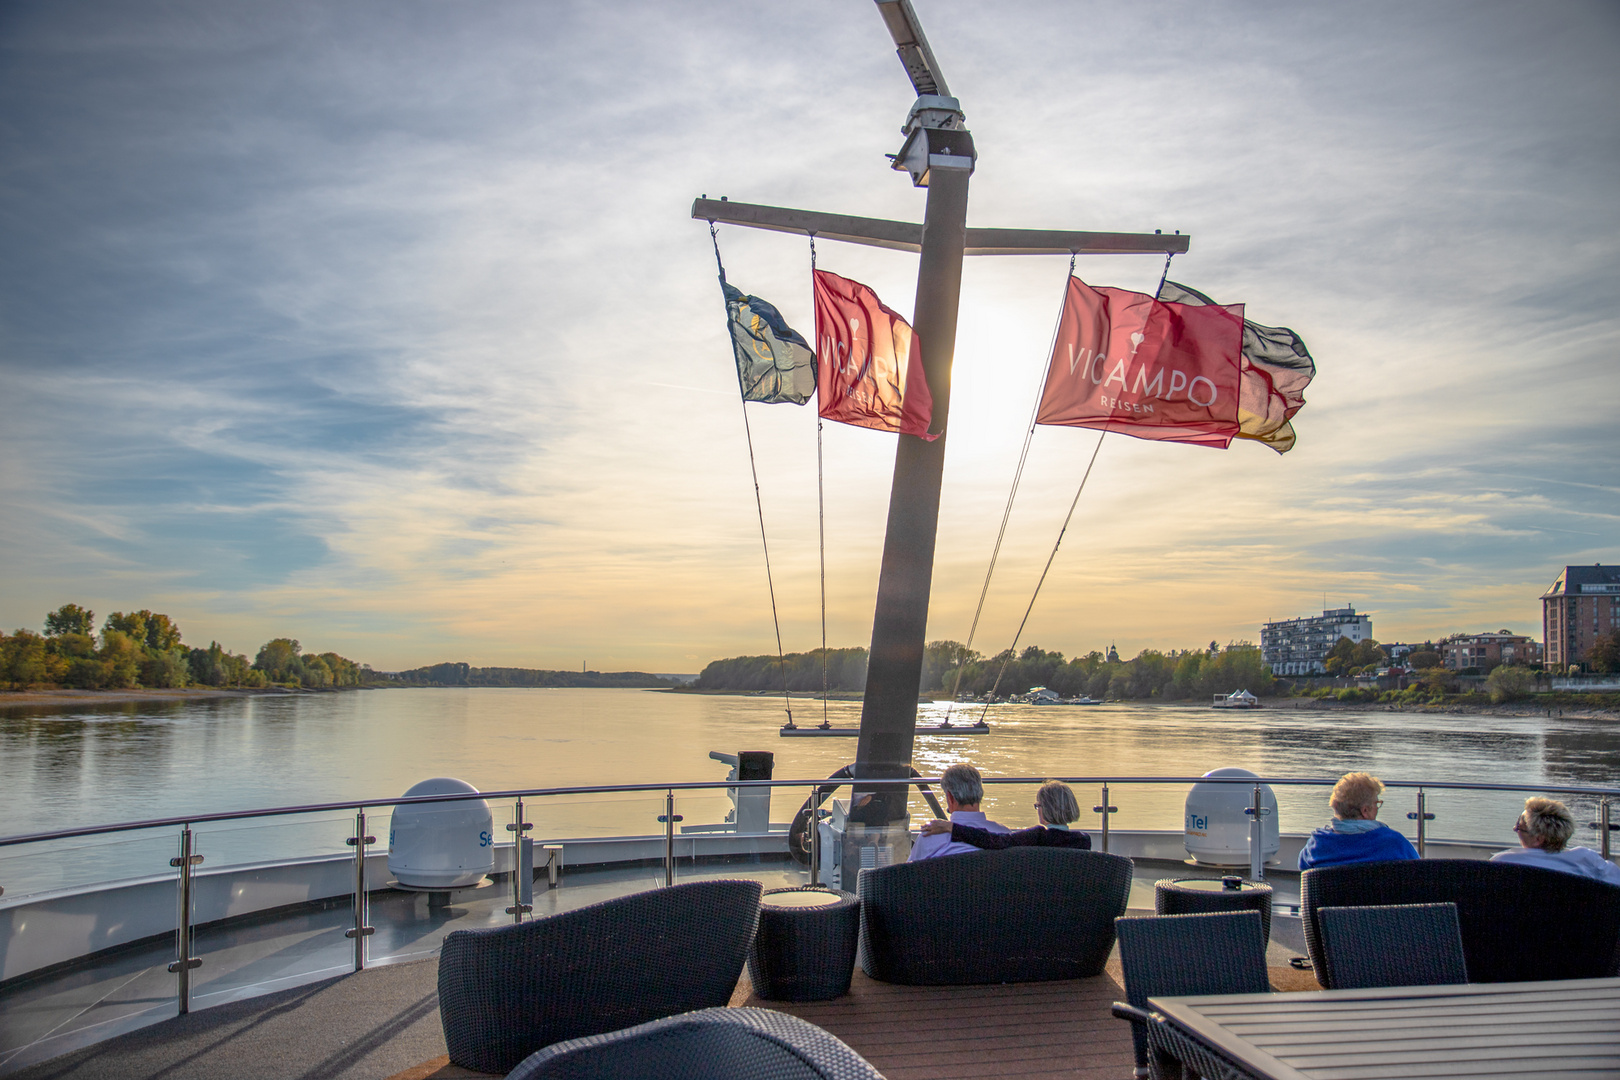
<point x="1055" y="809"/>
<point x="1544" y="831"/>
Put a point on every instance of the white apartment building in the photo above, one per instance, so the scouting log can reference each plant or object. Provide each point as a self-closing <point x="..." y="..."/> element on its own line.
<point x="1300" y="646"/>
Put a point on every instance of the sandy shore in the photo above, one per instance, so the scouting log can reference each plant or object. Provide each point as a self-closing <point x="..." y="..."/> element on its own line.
<point x="117" y="697"/>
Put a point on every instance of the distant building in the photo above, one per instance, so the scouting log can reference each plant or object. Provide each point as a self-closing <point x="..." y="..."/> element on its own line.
<point x="1583" y="603"/>
<point x="1399" y="651"/>
<point x="1490" y="650"/>
<point x="1300" y="646"/>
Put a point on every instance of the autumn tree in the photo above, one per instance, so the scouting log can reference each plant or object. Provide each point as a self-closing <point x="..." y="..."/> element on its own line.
<point x="70" y="619"/>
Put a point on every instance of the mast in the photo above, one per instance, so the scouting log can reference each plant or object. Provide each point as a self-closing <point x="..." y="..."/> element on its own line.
<point x="938" y="153"/>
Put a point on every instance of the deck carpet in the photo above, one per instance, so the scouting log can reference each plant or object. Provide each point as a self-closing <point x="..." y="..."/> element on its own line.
<point x="377" y="1023"/>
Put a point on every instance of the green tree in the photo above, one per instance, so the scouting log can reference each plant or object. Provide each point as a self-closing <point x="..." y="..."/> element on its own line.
<point x="1422" y="659"/>
<point x="168" y="669"/>
<point x="23" y="659"/>
<point x="1510" y="682"/>
<point x="70" y="619"/>
<point x="1604" y="655"/>
<point x="122" y="658"/>
<point x="278" y="659"/>
<point x="1341" y="657"/>
<point x="941" y="660"/>
<point x="132" y="625"/>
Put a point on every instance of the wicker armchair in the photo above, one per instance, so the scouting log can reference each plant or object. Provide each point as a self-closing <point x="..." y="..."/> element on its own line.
<point x="1393" y="945"/>
<point x="739" y="1044"/>
<point x="1174" y="955"/>
<point x="1020" y="915"/>
<point x="1519" y="923"/>
<point x="507" y="992"/>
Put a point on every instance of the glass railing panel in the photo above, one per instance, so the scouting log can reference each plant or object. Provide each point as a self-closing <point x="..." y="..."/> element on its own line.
<point x="727" y="832"/>
<point x="272" y="899"/>
<point x="104" y="904"/>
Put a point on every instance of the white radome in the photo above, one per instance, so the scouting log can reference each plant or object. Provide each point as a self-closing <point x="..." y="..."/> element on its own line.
<point x="1217" y="821"/>
<point x="441" y="845"/>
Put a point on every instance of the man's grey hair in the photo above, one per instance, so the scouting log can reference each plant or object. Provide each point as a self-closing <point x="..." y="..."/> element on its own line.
<point x="1057" y="803"/>
<point x="963" y="783"/>
<point x="1550" y="821"/>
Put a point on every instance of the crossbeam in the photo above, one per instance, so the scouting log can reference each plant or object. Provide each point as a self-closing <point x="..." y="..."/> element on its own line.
<point x="907" y="235"/>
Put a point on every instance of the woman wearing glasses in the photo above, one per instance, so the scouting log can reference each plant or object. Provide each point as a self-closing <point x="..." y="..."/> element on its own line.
<point x="1544" y="829"/>
<point x="1355" y="834"/>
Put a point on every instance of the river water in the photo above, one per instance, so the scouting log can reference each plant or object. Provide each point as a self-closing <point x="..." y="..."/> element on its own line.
<point x="63" y="767"/>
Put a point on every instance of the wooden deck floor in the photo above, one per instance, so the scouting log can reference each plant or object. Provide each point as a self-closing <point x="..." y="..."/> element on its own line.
<point x="1035" y="1031"/>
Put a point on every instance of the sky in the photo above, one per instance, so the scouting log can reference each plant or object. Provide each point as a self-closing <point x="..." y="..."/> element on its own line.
<point x="385" y="325"/>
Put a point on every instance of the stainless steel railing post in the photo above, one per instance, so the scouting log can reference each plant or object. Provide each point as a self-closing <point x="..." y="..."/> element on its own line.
<point x="1422" y="816"/>
<point x="522" y="866"/>
<point x="1603" y="826"/>
<point x="669" y="820"/>
<point x="1257" y="854"/>
<point x="184" y="961"/>
<point x="554" y="854"/>
<point x="815" y="840"/>
<point x="362" y="900"/>
<point x="1105" y="809"/>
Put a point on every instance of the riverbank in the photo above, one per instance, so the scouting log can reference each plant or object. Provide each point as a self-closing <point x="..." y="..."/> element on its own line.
<point x="122" y="697"/>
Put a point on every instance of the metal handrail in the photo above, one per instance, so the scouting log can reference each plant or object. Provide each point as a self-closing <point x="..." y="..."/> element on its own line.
<point x="353" y="805"/>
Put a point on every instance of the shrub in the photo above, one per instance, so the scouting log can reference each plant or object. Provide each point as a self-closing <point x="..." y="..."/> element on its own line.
<point x="1509" y="683"/>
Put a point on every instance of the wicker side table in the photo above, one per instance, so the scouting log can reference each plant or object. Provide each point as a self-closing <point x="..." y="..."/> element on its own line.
<point x="804" y="949"/>
<point x="1201" y="896"/>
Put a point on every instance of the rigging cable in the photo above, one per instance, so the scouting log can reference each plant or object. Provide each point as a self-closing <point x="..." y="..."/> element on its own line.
<point x="776" y="622"/>
<point x="1103" y="434"/>
<point x="1006" y="513"/>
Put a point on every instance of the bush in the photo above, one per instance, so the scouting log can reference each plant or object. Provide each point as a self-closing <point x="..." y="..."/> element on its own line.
<point x="1508" y="683"/>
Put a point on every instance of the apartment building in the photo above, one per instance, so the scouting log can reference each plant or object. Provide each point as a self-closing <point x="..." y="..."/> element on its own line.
<point x="1490" y="650"/>
<point x="1300" y="646"/>
<point x="1583" y="603"/>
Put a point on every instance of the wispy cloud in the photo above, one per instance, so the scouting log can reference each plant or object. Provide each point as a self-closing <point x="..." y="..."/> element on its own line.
<point x="384" y="324"/>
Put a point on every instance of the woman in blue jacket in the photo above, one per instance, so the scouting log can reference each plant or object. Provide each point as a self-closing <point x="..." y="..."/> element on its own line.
<point x="1355" y="834"/>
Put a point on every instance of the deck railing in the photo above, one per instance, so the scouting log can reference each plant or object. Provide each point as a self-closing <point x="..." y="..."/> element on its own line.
<point x="524" y="867"/>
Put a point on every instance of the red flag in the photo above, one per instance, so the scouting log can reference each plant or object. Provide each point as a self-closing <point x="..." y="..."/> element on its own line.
<point x="1126" y="362"/>
<point x="869" y="362"/>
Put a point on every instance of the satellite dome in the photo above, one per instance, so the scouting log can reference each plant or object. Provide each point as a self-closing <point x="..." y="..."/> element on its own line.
<point x="441" y="846"/>
<point x="1218" y="816"/>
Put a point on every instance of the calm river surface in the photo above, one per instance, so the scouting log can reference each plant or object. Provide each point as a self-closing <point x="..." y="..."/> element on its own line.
<point x="82" y="766"/>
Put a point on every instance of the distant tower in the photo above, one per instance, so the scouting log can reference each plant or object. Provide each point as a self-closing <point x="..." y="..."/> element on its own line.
<point x="1113" y="654"/>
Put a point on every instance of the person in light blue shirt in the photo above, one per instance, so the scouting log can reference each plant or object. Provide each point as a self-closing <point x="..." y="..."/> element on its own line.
<point x="964" y="790"/>
<point x="1355" y="834"/>
<point x="1544" y="830"/>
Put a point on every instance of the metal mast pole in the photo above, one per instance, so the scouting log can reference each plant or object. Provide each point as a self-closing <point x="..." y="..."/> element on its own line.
<point x="939" y="155"/>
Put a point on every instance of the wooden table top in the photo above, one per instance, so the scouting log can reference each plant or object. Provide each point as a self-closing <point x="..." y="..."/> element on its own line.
<point x="1538" y="1029"/>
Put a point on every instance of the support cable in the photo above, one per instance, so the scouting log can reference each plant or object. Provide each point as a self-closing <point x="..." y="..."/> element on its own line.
<point x="1006" y="513"/>
<point x="1011" y="649"/>
<point x="759" y="505"/>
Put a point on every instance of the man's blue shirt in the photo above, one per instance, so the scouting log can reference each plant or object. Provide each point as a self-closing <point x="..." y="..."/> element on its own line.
<point x="1328" y="846"/>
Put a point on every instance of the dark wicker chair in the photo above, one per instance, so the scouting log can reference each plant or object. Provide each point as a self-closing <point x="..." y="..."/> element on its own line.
<point x="743" y="1044"/>
<point x="1393" y="945"/>
<point x="507" y="992"/>
<point x="1020" y="915"/>
<point x="1519" y="923"/>
<point x="1170" y="955"/>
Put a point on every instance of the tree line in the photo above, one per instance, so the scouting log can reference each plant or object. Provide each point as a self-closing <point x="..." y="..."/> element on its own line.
<point x="460" y="674"/>
<point x="1150" y="674"/>
<point x="144" y="649"/>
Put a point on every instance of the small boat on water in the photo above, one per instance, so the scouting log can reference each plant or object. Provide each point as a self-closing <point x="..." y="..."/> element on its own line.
<point x="1237" y="699"/>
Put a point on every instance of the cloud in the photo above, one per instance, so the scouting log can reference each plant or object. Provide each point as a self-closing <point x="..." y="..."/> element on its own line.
<point x="385" y="326"/>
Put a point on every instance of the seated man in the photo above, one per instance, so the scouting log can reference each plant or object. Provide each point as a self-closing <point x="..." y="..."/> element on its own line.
<point x="1355" y="835"/>
<point x="964" y="790"/>
<point x="1055" y="808"/>
<point x="1544" y="828"/>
